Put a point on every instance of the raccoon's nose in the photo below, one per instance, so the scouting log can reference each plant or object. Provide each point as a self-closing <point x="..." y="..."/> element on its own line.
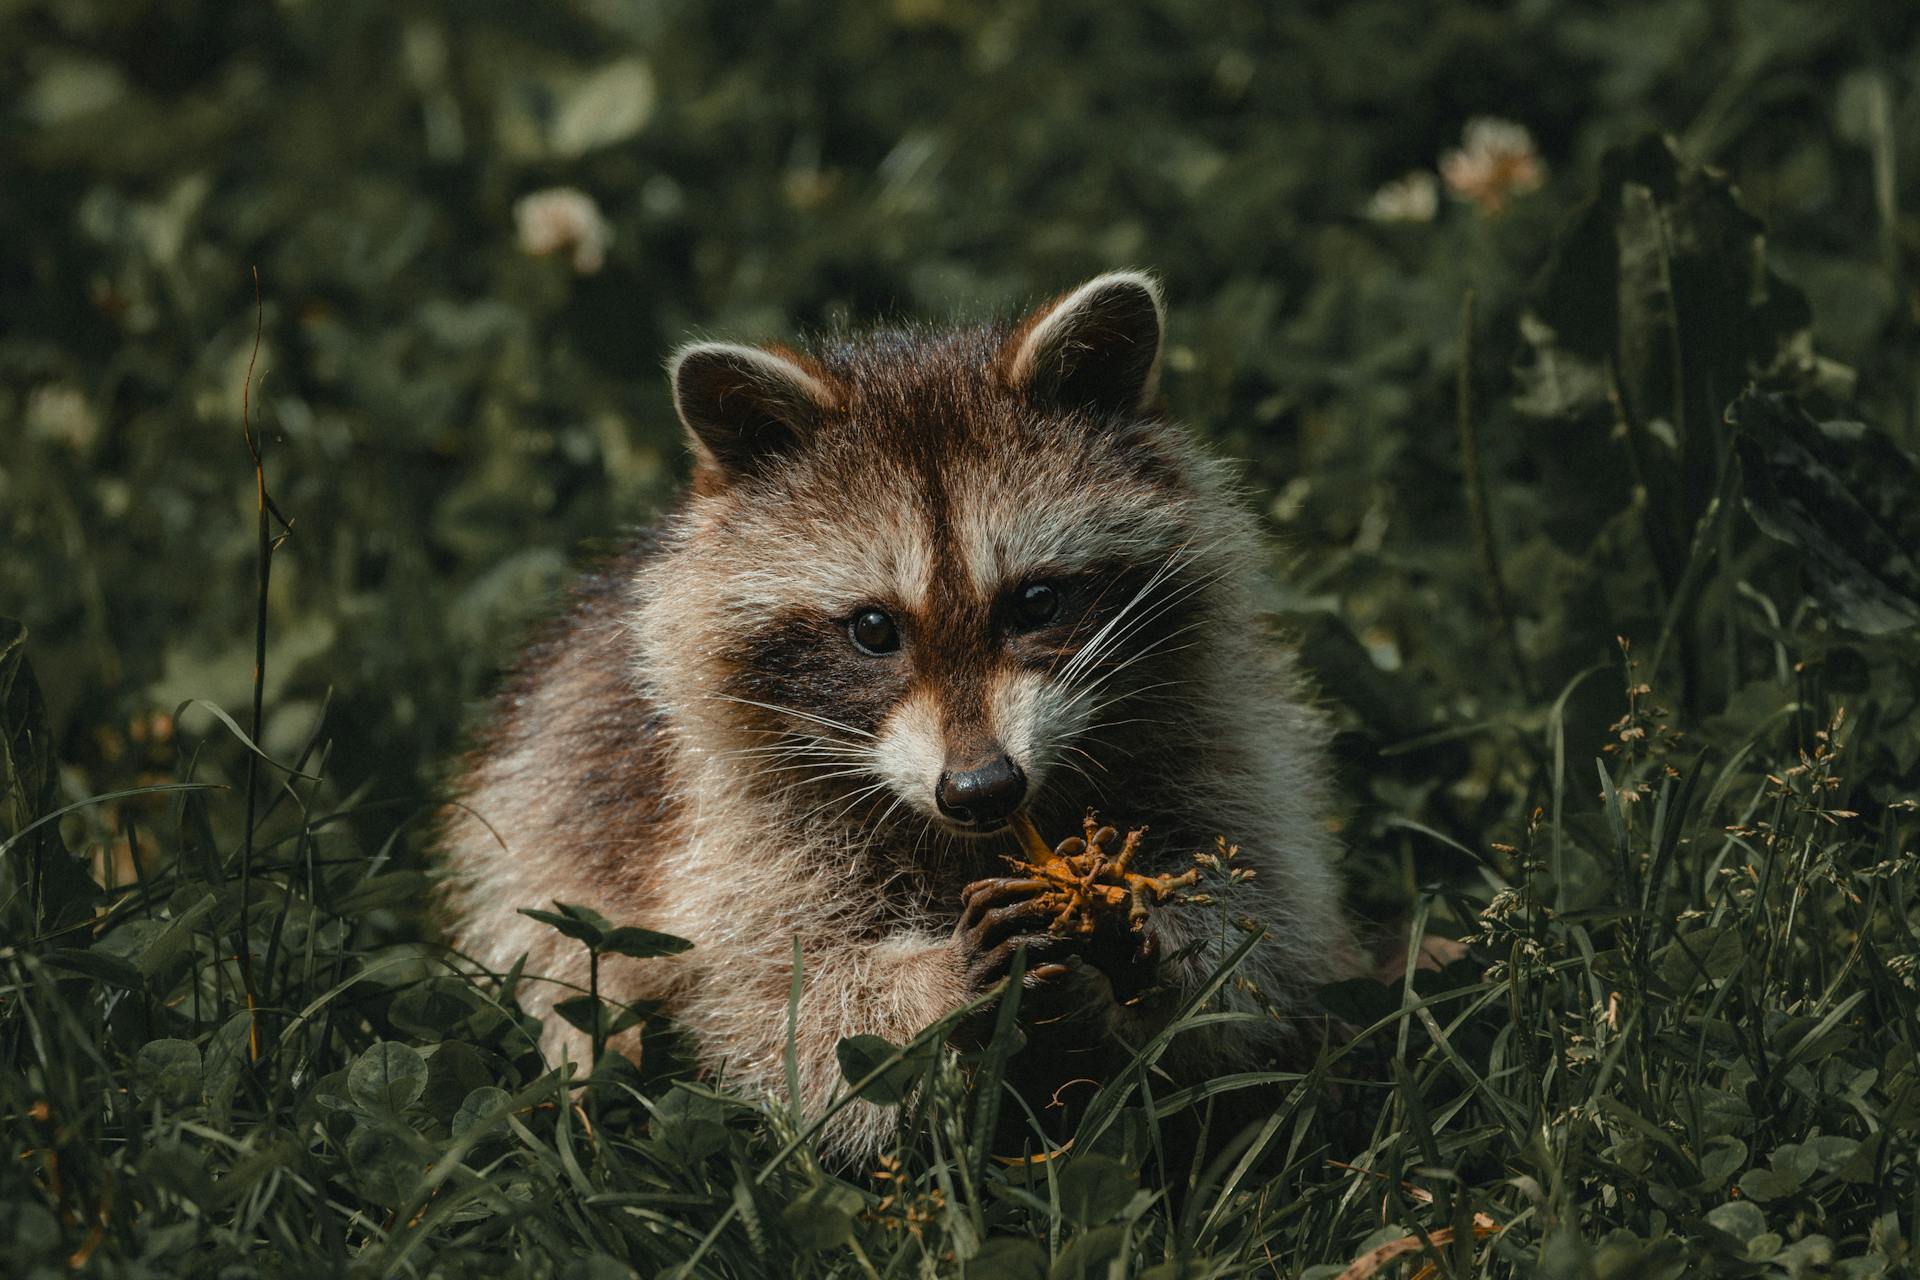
<point x="988" y="794"/>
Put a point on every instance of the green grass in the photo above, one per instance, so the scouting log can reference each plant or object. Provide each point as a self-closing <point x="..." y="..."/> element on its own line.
<point x="1686" y="1039"/>
<point x="1614" y="604"/>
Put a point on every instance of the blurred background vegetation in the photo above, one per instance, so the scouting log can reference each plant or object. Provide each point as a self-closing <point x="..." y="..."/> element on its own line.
<point x="455" y="415"/>
<point x="1468" y="287"/>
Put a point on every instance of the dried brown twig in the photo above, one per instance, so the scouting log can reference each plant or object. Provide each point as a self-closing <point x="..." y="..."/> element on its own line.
<point x="1085" y="880"/>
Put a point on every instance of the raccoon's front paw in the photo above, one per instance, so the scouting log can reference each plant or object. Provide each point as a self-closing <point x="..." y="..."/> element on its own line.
<point x="1000" y="914"/>
<point x="997" y="916"/>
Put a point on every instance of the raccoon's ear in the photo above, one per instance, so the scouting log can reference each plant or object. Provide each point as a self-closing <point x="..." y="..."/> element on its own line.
<point x="1097" y="347"/>
<point x="744" y="406"/>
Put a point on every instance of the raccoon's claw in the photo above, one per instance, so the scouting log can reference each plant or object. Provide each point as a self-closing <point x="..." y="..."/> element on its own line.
<point x="1042" y="963"/>
<point x="1072" y="983"/>
<point x="997" y="918"/>
<point x="983" y="896"/>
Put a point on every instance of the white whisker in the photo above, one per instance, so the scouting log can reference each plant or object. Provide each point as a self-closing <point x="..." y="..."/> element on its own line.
<point x="1099" y="638"/>
<point x="1105" y="643"/>
<point x="810" y="717"/>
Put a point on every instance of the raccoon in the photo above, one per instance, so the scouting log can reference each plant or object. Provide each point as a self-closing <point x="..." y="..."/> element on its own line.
<point x="925" y="579"/>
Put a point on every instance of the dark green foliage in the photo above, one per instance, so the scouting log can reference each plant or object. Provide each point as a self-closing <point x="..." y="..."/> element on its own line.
<point x="1600" y="523"/>
<point x="1843" y="493"/>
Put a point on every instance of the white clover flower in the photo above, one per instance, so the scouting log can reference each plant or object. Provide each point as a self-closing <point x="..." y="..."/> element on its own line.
<point x="62" y="413"/>
<point x="559" y="218"/>
<point x="1415" y="197"/>
<point x="1495" y="161"/>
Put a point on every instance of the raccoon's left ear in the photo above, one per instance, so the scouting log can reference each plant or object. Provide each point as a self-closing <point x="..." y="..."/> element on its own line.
<point x="745" y="406"/>
<point x="1096" y="348"/>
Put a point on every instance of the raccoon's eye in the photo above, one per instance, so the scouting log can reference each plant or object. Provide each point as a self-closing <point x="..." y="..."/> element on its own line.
<point x="1038" y="605"/>
<point x="873" y="632"/>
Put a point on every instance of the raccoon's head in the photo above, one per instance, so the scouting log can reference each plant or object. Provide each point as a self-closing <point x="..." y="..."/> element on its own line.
<point x="944" y="574"/>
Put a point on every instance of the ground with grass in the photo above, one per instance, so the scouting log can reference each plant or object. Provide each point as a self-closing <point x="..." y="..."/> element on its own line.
<point x="1570" y="350"/>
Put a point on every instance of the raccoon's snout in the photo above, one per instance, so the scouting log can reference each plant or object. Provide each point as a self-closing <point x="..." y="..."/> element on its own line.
<point x="984" y="796"/>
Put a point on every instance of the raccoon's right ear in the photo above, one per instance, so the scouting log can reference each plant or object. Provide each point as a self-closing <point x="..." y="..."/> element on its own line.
<point x="744" y="406"/>
<point x="1096" y="348"/>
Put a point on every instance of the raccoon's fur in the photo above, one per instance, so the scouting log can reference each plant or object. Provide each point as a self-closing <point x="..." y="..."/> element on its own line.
<point x="720" y="741"/>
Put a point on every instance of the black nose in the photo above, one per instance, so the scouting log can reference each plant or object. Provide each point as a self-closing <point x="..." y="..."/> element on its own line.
<point x="988" y="794"/>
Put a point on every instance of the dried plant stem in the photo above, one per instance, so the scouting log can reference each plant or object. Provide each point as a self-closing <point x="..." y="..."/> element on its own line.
<point x="267" y="543"/>
<point x="1080" y="879"/>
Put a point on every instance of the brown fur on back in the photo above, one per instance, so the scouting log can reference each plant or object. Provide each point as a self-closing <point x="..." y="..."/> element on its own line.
<point x="572" y="762"/>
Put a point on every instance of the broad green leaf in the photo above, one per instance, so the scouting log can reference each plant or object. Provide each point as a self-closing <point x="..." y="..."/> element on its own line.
<point x="582" y="923"/>
<point x="1709" y="954"/>
<point x="29" y="1229"/>
<point x="690" y="1125"/>
<point x="1006" y="1258"/>
<point x="480" y="1109"/>
<point x="821" y="1217"/>
<point x="585" y="1014"/>
<point x="1832" y="1150"/>
<point x="381" y="892"/>
<point x="179" y="1167"/>
<point x="1721" y="1158"/>
<point x="1564" y="1255"/>
<point x="436" y="1008"/>
<point x="588" y="1015"/>
<point x="226" y="1060"/>
<point x="388" y="1077"/>
<point x="862" y="1056"/>
<point x="385" y="1165"/>
<point x="1090" y="1255"/>
<point x="630" y="940"/>
<point x="168" y="1070"/>
<point x="1841" y="494"/>
<point x="1768" y="1185"/>
<point x="454" y="1070"/>
<point x="1094" y="1188"/>
<point x="101" y="966"/>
